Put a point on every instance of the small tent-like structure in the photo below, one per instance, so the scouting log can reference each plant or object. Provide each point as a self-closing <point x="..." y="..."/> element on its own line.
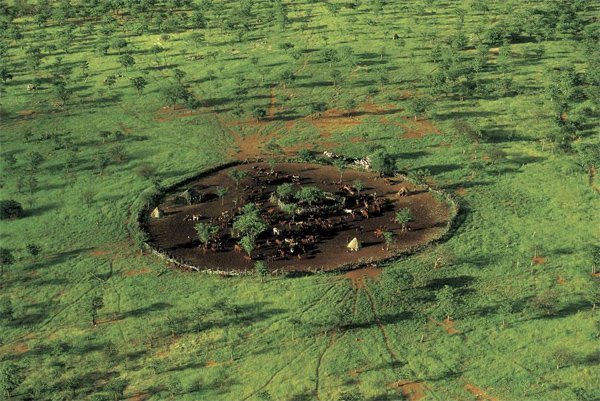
<point x="190" y="196"/>
<point x="156" y="213"/>
<point x="354" y="245"/>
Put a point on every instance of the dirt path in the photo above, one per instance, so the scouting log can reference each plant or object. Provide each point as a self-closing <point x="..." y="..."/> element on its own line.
<point x="384" y="333"/>
<point x="411" y="390"/>
<point x="479" y="393"/>
<point x="329" y="345"/>
<point x="447" y="325"/>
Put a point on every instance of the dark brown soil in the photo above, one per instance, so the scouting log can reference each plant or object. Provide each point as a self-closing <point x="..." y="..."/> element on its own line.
<point x="175" y="235"/>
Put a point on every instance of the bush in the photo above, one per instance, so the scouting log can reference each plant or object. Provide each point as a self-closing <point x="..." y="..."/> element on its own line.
<point x="10" y="209"/>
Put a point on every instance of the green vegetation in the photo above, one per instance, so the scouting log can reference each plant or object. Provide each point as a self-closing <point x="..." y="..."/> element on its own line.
<point x="496" y="102"/>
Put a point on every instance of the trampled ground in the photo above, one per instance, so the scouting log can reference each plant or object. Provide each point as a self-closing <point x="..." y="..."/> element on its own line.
<point x="321" y="238"/>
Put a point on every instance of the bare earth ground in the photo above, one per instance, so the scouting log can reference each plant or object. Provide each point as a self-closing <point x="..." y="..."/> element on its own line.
<point x="178" y="238"/>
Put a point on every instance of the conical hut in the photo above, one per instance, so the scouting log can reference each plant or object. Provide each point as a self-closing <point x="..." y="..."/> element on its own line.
<point x="353" y="245"/>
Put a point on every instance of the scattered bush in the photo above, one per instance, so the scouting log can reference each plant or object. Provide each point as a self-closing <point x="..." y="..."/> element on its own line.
<point x="10" y="209"/>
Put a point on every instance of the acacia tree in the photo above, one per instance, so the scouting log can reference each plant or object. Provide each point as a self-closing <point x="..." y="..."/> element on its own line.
<point x="126" y="60"/>
<point x="139" y="83"/>
<point x="95" y="303"/>
<point x="447" y="301"/>
<point x="309" y="195"/>
<point x="248" y="243"/>
<point x="358" y="185"/>
<point x="403" y="217"/>
<point x="340" y="165"/>
<point x="388" y="237"/>
<point x="249" y="223"/>
<point x="237" y="176"/>
<point x="221" y="192"/>
<point x="206" y="233"/>
<point x="261" y="270"/>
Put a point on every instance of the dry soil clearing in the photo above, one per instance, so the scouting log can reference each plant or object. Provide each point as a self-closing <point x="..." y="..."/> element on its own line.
<point x="313" y="241"/>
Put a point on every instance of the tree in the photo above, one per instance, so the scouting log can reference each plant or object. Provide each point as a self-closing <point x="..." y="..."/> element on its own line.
<point x="388" y="238"/>
<point x="5" y="75"/>
<point x="237" y="176"/>
<point x="261" y="269"/>
<point x="35" y="159"/>
<point x="306" y="155"/>
<point x="221" y="192"/>
<point x="10" y="379"/>
<point x="589" y="160"/>
<point x="10" y="209"/>
<point x="447" y="301"/>
<point x="287" y="77"/>
<point x="418" y="105"/>
<point x="249" y="223"/>
<point x="179" y="75"/>
<point x="259" y="113"/>
<point x="248" y="243"/>
<point x="403" y="217"/>
<point x="358" y="185"/>
<point x="139" y="83"/>
<point x="62" y="92"/>
<point x="126" y="60"/>
<point x="382" y="162"/>
<point x="316" y="108"/>
<point x="340" y="165"/>
<point x="95" y="303"/>
<point x="329" y="56"/>
<point x="309" y="195"/>
<point x="175" y="92"/>
<point x="285" y="191"/>
<point x="110" y="81"/>
<point x="33" y="250"/>
<point x="206" y="233"/>
<point x="6" y="258"/>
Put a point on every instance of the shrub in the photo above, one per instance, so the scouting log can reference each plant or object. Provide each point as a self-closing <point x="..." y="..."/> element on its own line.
<point x="10" y="209"/>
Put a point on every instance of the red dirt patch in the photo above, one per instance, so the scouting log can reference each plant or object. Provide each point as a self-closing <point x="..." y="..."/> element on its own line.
<point x="320" y="238"/>
<point x="411" y="390"/>
<point x="561" y="281"/>
<point x="447" y="324"/>
<point x="137" y="272"/>
<point x="211" y="363"/>
<point x="141" y="396"/>
<point x="355" y="372"/>
<point x="479" y="393"/>
<point x="24" y="113"/>
<point x="461" y="191"/>
<point x="332" y="120"/>
<point x="538" y="260"/>
<point x="358" y="276"/>
<point x="98" y="252"/>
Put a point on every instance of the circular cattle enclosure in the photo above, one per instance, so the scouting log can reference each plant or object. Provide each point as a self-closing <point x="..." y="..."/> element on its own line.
<point x="299" y="233"/>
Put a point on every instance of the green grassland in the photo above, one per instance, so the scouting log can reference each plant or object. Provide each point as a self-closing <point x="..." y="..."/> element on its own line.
<point x="523" y="330"/>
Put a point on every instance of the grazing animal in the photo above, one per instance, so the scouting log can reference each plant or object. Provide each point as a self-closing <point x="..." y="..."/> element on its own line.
<point x="276" y="231"/>
<point x="237" y="248"/>
<point x="365" y="213"/>
<point x="195" y="217"/>
<point x="403" y="191"/>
